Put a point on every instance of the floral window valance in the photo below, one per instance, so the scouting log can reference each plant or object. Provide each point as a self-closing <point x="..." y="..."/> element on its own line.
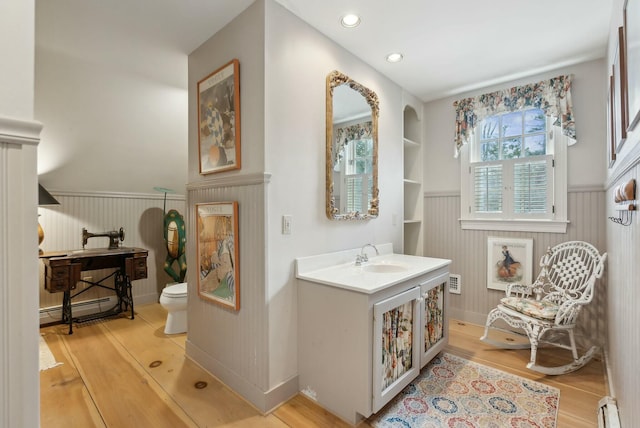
<point x="553" y="96"/>
<point x="345" y="134"/>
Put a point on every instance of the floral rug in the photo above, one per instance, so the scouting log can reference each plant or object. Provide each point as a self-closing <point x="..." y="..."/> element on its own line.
<point x="453" y="392"/>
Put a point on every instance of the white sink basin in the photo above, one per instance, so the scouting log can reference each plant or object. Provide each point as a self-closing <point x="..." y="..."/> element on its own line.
<point x="384" y="268"/>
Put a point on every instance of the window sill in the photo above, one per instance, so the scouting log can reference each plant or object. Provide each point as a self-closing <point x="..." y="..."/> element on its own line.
<point x="544" y="226"/>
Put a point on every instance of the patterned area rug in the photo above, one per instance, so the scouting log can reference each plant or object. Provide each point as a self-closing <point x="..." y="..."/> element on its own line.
<point x="453" y="392"/>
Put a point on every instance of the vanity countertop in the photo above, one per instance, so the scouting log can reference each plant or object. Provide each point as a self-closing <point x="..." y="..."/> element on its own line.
<point x="381" y="271"/>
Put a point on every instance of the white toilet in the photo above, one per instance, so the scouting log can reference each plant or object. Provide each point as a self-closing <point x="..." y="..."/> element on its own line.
<point x="174" y="300"/>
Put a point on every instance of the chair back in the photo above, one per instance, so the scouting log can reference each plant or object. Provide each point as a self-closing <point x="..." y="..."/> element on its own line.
<point x="571" y="270"/>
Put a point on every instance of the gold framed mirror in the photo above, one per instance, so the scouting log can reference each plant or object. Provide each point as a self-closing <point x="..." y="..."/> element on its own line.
<point x="352" y="149"/>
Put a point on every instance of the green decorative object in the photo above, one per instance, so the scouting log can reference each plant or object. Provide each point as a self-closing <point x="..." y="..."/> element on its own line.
<point x="175" y="238"/>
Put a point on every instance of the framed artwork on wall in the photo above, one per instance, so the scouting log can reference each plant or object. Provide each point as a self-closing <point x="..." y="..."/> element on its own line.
<point x="509" y="261"/>
<point x="620" y="93"/>
<point x="217" y="251"/>
<point x="219" y="119"/>
<point x="631" y="19"/>
<point x="611" y="129"/>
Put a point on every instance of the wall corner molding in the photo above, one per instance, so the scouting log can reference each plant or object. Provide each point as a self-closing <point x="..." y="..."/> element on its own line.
<point x="16" y="131"/>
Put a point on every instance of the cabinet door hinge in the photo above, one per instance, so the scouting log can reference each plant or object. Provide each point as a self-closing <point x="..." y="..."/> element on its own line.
<point x="553" y="209"/>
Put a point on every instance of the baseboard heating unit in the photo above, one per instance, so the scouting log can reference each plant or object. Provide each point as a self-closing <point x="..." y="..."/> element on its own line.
<point x="85" y="307"/>
<point x="608" y="413"/>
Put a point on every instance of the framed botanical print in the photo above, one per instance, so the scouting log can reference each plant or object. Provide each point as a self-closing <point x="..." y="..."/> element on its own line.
<point x="217" y="251"/>
<point x="219" y="119"/>
<point x="508" y="262"/>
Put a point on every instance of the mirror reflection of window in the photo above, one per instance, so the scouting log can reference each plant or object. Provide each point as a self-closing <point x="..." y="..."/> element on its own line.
<point x="357" y="175"/>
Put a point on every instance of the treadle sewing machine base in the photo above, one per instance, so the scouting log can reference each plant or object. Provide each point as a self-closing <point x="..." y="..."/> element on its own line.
<point x="63" y="272"/>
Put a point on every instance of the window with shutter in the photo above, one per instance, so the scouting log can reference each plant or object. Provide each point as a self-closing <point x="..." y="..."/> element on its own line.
<point x="511" y="174"/>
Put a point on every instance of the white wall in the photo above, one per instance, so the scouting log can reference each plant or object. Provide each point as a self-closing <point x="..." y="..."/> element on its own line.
<point x="113" y="108"/>
<point x="586" y="166"/>
<point x="297" y="61"/>
<point x="283" y="69"/>
<point x="19" y="137"/>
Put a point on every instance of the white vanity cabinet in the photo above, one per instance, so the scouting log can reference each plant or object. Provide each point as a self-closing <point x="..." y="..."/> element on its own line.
<point x="359" y="347"/>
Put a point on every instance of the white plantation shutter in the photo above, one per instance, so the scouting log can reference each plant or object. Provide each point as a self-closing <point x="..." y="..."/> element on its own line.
<point x="487" y="188"/>
<point x="353" y="184"/>
<point x="513" y="188"/>
<point x="531" y="187"/>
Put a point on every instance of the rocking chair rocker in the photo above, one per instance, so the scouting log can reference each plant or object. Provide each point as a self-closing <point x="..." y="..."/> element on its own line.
<point x="565" y="284"/>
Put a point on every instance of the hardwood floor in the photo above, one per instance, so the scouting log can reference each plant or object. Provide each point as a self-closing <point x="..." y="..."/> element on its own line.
<point x="128" y="373"/>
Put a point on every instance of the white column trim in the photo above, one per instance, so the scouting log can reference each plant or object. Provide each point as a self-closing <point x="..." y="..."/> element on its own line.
<point x="19" y="374"/>
<point x="16" y="131"/>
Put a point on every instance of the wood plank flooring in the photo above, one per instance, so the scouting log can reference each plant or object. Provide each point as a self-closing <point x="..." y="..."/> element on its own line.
<point x="128" y="373"/>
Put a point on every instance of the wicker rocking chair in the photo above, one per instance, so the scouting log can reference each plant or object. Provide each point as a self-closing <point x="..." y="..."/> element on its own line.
<point x="565" y="284"/>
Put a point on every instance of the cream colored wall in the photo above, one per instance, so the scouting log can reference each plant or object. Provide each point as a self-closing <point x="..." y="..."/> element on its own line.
<point x="585" y="158"/>
<point x="283" y="67"/>
<point x="234" y="345"/>
<point x="114" y="109"/>
<point x="298" y="59"/>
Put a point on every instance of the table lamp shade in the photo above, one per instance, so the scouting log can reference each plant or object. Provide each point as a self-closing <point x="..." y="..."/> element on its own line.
<point x="45" y="198"/>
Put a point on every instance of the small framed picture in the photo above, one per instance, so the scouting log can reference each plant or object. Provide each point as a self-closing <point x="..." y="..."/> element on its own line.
<point x="217" y="251"/>
<point x="219" y="119"/>
<point x="509" y="261"/>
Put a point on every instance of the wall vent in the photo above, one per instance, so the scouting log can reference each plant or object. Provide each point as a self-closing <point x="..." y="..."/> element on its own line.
<point x="455" y="284"/>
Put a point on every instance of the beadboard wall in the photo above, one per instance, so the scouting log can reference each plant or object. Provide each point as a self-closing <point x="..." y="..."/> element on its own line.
<point x="624" y="297"/>
<point x="232" y="345"/>
<point x="468" y="249"/>
<point x="141" y="217"/>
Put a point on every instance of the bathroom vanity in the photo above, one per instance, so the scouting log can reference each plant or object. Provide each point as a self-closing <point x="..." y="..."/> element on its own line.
<point x="366" y="329"/>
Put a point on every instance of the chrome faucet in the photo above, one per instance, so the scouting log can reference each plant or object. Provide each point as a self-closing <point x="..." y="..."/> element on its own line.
<point x="362" y="257"/>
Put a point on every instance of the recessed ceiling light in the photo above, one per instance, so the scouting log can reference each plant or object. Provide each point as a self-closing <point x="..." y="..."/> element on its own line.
<point x="394" y="57"/>
<point x="350" y="20"/>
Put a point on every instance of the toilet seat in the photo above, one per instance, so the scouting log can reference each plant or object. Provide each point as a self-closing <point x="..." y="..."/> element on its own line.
<point x="175" y="291"/>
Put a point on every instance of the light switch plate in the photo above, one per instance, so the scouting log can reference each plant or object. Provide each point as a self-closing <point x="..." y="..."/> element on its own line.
<point x="286" y="224"/>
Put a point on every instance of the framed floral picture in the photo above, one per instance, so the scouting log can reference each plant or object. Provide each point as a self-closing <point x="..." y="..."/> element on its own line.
<point x="217" y="251"/>
<point x="219" y="119"/>
<point x="508" y="262"/>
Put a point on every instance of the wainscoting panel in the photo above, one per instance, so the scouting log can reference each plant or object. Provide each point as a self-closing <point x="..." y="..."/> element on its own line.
<point x="468" y="250"/>
<point x="141" y="217"/>
<point x="624" y="300"/>
<point x="233" y="345"/>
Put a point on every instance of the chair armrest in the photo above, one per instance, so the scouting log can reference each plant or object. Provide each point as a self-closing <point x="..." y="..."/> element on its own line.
<point x="518" y="290"/>
<point x="568" y="311"/>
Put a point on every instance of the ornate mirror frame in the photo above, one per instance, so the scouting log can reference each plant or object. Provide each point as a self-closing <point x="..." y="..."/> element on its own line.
<point x="335" y="78"/>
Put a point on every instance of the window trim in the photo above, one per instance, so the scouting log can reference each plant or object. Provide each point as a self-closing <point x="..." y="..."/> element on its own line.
<point x="558" y="224"/>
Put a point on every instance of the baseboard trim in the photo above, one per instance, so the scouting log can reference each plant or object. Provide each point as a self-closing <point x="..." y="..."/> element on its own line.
<point x="263" y="401"/>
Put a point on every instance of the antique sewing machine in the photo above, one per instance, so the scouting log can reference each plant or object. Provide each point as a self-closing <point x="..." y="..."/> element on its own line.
<point x="63" y="274"/>
<point x="113" y="235"/>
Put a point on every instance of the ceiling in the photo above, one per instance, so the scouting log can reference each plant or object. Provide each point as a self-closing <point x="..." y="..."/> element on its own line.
<point x="449" y="47"/>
